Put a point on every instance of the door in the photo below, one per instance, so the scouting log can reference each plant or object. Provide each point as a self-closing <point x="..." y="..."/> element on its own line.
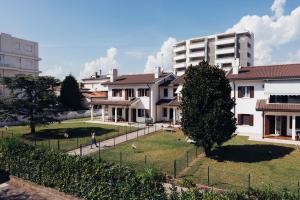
<point x="126" y="114"/>
<point x="171" y="113"/>
<point x="283" y="126"/>
<point x="133" y="115"/>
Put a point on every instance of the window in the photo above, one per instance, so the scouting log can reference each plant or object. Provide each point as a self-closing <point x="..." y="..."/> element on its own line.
<point x="165" y="112"/>
<point x="28" y="48"/>
<point x="143" y="113"/>
<point x="245" y="119"/>
<point x="246" y="92"/>
<point x="116" y="92"/>
<point x="249" y="55"/>
<point x="143" y="92"/>
<point x="129" y="93"/>
<point x="165" y="92"/>
<point x="174" y="92"/>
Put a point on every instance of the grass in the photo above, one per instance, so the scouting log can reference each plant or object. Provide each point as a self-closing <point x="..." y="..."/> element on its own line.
<point x="158" y="149"/>
<point x="267" y="163"/>
<point x="53" y="135"/>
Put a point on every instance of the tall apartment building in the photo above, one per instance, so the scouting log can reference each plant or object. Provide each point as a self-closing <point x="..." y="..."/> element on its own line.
<point x="17" y="56"/>
<point x="224" y="49"/>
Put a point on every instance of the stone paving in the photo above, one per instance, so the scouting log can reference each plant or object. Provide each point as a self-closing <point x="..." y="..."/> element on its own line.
<point x="86" y="150"/>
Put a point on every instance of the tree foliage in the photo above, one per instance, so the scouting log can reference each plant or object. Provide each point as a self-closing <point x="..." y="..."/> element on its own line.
<point x="206" y="106"/>
<point x="31" y="99"/>
<point x="70" y="95"/>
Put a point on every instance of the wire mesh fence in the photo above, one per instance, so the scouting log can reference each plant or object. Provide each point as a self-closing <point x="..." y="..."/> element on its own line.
<point x="231" y="180"/>
<point x="139" y="160"/>
<point x="67" y="140"/>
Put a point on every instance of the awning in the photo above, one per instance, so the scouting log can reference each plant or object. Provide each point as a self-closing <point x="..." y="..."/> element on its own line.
<point x="178" y="90"/>
<point x="262" y="105"/>
<point x="287" y="87"/>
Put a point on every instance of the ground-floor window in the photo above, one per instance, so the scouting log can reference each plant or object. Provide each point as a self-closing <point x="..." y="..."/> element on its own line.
<point x="143" y="113"/>
<point x="165" y="112"/>
<point x="297" y="122"/>
<point x="245" y="119"/>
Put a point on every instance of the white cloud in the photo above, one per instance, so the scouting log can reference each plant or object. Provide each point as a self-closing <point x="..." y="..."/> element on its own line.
<point x="163" y="58"/>
<point x="104" y="63"/>
<point x="135" y="54"/>
<point x="56" y="72"/>
<point x="270" y="31"/>
<point x="278" y="7"/>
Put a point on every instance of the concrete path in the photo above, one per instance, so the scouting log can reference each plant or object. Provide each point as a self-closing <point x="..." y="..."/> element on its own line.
<point x="86" y="150"/>
<point x="278" y="141"/>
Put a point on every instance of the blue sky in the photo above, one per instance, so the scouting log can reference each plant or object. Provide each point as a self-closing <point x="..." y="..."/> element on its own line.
<point x="73" y="33"/>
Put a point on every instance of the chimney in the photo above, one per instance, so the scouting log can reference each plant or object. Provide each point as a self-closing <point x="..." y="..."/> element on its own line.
<point x="100" y="72"/>
<point x="96" y="74"/>
<point x="235" y="66"/>
<point x="113" y="75"/>
<point x="157" y="71"/>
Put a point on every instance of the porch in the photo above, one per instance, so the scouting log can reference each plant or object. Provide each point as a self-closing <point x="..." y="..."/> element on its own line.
<point x="168" y="111"/>
<point x="282" y="126"/>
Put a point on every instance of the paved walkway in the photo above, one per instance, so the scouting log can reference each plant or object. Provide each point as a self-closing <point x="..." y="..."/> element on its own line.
<point x="278" y="141"/>
<point x="86" y="150"/>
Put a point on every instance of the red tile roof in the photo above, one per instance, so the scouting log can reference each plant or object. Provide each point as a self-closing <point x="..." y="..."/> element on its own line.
<point x="168" y="102"/>
<point x="102" y="94"/>
<point x="136" y="79"/>
<point x="180" y="80"/>
<point x="262" y="105"/>
<point x="284" y="71"/>
<point x="114" y="103"/>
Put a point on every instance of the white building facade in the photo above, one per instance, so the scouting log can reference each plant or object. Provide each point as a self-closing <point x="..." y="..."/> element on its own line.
<point x="17" y="57"/>
<point x="132" y="98"/>
<point x="267" y="101"/>
<point x="225" y="50"/>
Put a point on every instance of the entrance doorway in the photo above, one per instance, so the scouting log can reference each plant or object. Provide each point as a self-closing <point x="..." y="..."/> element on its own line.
<point x="133" y="115"/>
<point x="171" y="114"/>
<point x="276" y="125"/>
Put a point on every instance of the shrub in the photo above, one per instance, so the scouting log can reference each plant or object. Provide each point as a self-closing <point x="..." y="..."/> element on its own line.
<point x="81" y="176"/>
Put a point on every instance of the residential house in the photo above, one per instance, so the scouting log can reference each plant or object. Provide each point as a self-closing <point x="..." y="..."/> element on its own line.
<point x="132" y="98"/>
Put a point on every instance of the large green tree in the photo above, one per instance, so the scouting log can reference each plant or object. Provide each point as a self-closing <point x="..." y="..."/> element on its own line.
<point x="70" y="95"/>
<point x="32" y="99"/>
<point x="207" y="116"/>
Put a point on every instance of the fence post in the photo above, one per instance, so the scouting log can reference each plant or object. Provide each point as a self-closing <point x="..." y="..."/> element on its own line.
<point x="145" y="130"/>
<point x="49" y="143"/>
<point x="2" y="134"/>
<point x="249" y="182"/>
<point x="58" y="145"/>
<point x="77" y="141"/>
<point x="115" y="140"/>
<point x="196" y="151"/>
<point x="126" y="135"/>
<point x="120" y="158"/>
<point x="208" y="181"/>
<point x="80" y="148"/>
<point x="187" y="159"/>
<point x="137" y="133"/>
<point x="174" y="168"/>
<point x="99" y="150"/>
<point x="118" y="130"/>
<point x="148" y="129"/>
<point x="298" y="190"/>
<point x="155" y="127"/>
<point x="145" y="159"/>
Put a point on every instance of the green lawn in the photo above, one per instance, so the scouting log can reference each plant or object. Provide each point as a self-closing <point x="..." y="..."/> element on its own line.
<point x="157" y="149"/>
<point x="79" y="133"/>
<point x="267" y="163"/>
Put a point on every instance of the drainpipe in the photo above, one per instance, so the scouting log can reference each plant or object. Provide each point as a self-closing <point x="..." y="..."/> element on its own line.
<point x="234" y="96"/>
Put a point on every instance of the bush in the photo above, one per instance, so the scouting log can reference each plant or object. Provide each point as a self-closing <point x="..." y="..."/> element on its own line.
<point x="81" y="176"/>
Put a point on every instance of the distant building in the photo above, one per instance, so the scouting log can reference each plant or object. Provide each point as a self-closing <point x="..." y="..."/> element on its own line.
<point x="17" y="57"/>
<point x="224" y="49"/>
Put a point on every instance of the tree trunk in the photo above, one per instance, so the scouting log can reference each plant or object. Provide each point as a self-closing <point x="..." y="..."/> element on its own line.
<point x="207" y="151"/>
<point x="32" y="128"/>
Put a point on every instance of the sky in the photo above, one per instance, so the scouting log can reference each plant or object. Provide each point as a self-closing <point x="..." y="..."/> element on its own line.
<point x="83" y="36"/>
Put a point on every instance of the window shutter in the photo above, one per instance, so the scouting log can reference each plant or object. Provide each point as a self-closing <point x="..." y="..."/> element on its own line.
<point x="239" y="119"/>
<point x="251" y="120"/>
<point x="251" y="91"/>
<point x="240" y="92"/>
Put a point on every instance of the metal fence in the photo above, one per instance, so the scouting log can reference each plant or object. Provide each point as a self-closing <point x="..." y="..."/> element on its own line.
<point x="67" y="141"/>
<point x="228" y="179"/>
<point x="139" y="160"/>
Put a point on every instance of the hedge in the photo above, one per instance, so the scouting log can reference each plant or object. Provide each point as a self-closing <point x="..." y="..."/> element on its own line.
<point x="84" y="177"/>
<point x="96" y="179"/>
